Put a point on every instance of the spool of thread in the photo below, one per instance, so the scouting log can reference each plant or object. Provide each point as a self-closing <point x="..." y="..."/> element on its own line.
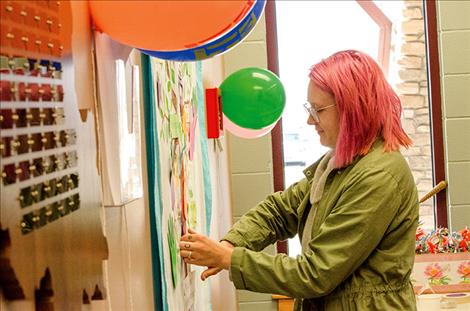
<point x="429" y="301"/>
<point x="457" y="297"/>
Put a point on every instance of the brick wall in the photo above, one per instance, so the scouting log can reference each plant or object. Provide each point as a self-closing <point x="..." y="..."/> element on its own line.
<point x="413" y="91"/>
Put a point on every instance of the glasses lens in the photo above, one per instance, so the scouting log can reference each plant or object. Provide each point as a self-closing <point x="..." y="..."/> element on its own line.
<point x="311" y="111"/>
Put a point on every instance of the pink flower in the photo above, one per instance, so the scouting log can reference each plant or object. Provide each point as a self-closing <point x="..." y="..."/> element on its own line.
<point x="464" y="269"/>
<point x="434" y="271"/>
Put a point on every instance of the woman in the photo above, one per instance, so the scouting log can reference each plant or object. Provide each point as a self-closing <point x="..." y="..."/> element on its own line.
<point x="356" y="211"/>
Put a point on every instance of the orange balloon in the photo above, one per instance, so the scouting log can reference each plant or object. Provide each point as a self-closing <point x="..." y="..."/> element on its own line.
<point x="167" y="25"/>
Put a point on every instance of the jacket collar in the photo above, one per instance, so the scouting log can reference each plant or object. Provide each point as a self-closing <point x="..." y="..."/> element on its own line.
<point x="309" y="172"/>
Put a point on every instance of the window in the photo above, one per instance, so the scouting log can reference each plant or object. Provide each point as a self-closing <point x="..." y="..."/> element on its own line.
<point x="384" y="30"/>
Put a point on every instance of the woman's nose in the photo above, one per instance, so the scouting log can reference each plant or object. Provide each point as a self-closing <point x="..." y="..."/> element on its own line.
<point x="311" y="120"/>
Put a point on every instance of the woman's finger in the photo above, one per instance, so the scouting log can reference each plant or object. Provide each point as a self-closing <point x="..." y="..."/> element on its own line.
<point x="209" y="272"/>
<point x="190" y="236"/>
<point x="195" y="258"/>
<point x="185" y="254"/>
<point x="192" y="258"/>
<point x="186" y="245"/>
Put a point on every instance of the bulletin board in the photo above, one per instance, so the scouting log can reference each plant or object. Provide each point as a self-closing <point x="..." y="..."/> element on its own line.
<point x="181" y="191"/>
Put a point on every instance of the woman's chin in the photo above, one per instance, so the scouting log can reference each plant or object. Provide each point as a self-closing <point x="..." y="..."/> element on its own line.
<point x="323" y="140"/>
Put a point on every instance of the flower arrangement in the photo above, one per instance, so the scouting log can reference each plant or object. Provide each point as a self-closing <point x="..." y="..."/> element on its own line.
<point x="441" y="240"/>
<point x="442" y="262"/>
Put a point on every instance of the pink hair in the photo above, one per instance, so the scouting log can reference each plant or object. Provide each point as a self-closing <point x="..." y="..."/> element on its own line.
<point x="368" y="107"/>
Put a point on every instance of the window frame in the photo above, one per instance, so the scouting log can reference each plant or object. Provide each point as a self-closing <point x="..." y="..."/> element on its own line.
<point x="434" y="89"/>
<point x="385" y="35"/>
<point x="435" y="111"/>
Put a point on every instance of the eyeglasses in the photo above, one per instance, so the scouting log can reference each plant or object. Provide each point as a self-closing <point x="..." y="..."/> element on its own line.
<point x="314" y="112"/>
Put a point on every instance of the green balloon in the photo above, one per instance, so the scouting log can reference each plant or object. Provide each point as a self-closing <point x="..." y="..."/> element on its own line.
<point x="252" y="98"/>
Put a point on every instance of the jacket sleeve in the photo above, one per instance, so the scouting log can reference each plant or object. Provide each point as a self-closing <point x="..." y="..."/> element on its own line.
<point x="348" y="235"/>
<point x="272" y="220"/>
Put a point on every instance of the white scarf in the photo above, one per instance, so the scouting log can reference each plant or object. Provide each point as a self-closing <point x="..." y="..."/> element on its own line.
<point x="326" y="165"/>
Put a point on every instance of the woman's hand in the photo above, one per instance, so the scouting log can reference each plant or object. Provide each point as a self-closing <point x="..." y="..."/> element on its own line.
<point x="197" y="249"/>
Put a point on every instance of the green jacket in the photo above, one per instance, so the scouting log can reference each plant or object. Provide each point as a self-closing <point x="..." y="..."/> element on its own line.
<point x="363" y="238"/>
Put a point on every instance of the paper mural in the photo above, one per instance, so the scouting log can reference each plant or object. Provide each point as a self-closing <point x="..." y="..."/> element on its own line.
<point x="442" y="273"/>
<point x="182" y="187"/>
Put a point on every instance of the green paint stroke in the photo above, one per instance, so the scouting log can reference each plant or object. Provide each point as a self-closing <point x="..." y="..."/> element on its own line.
<point x="173" y="250"/>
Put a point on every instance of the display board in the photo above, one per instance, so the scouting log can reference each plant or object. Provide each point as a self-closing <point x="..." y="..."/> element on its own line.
<point x="178" y="160"/>
<point x="50" y="192"/>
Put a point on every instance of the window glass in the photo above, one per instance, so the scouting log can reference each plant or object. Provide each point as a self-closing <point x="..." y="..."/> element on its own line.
<point x="326" y="27"/>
